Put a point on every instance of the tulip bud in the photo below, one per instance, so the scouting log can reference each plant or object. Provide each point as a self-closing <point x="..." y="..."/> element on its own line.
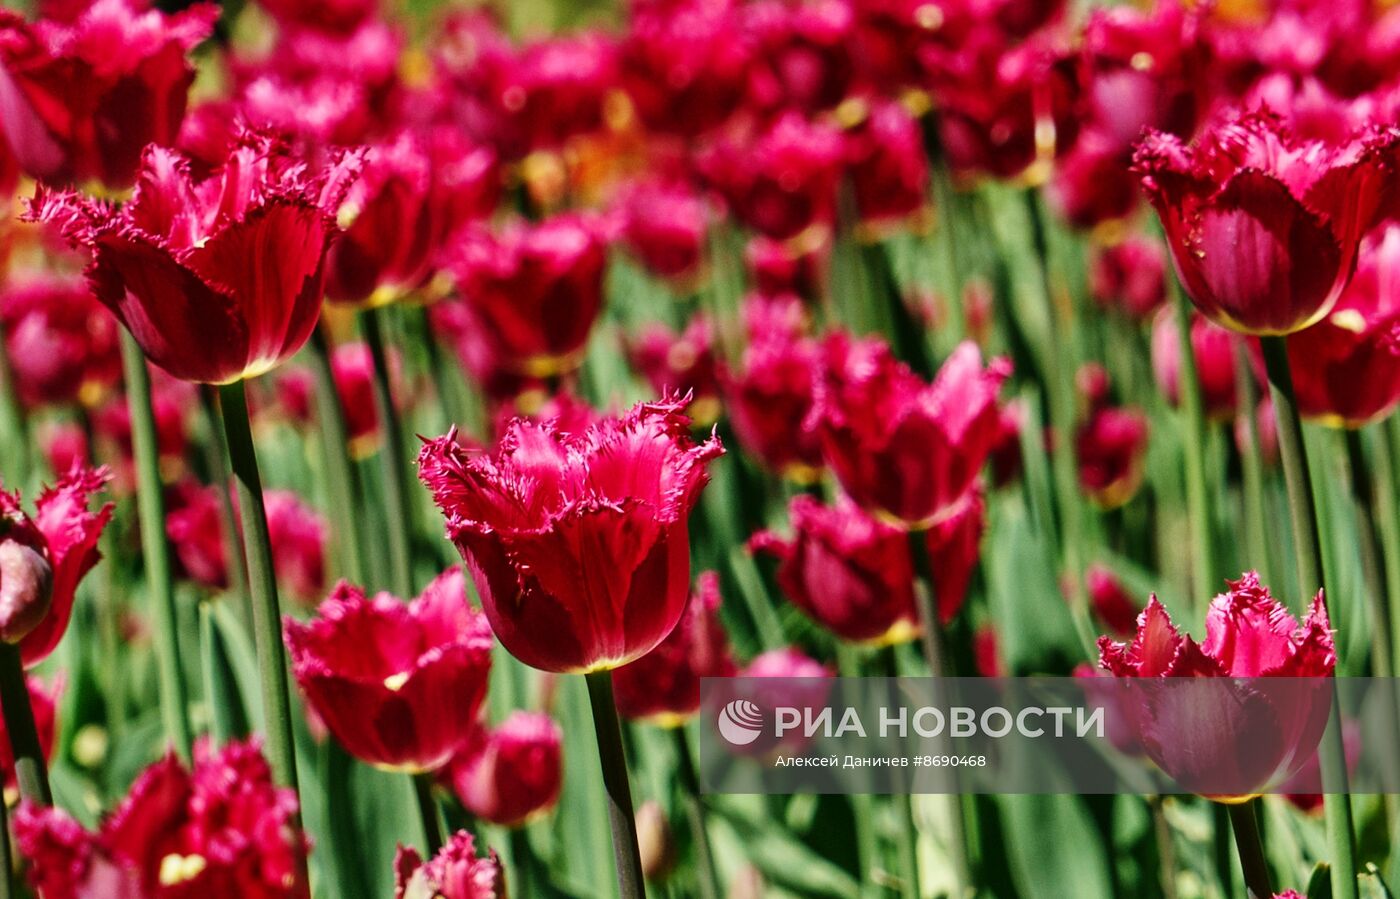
<point x="509" y="774"/>
<point x="654" y="841"/>
<point x="26" y="589"/>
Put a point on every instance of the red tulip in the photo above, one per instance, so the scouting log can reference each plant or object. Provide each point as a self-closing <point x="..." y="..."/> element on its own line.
<point x="665" y="226"/>
<point x="779" y="268"/>
<point x="510" y="773"/>
<point x="44" y="703"/>
<point x="1130" y="276"/>
<point x="43" y="557"/>
<point x="887" y="164"/>
<point x="1214" y="349"/>
<point x="81" y="99"/>
<point x="663" y="686"/>
<point x="217" y="281"/>
<point x="61" y="344"/>
<point x="1111" y="447"/>
<point x="900" y="447"/>
<point x="1112" y="602"/>
<point x="787" y="663"/>
<point x="681" y="364"/>
<point x="1263" y="226"/>
<point x="456" y="872"/>
<point x="534" y="290"/>
<point x="222" y="830"/>
<point x="986" y="652"/>
<point x="770" y="396"/>
<point x="400" y="685"/>
<point x="171" y="402"/>
<point x="1093" y="183"/>
<point x="334" y="16"/>
<point x="578" y="543"/>
<point x="801" y="53"/>
<point x="1347" y="366"/>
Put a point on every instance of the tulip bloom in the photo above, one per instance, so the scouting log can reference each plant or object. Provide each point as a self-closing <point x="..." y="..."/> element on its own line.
<point x="61" y="344"/>
<point x="222" y="829"/>
<point x="81" y="99"/>
<point x="888" y="166"/>
<point x="456" y="872"/>
<point x="578" y="543"/>
<point x="769" y="398"/>
<point x="664" y="225"/>
<point x="1346" y="368"/>
<point x="902" y="448"/>
<point x="534" y="289"/>
<point x="1248" y="635"/>
<point x="42" y="559"/>
<point x="1112" y="602"/>
<point x="1130" y="276"/>
<point x="1214" y="349"/>
<point x="510" y="773"/>
<point x="682" y="364"/>
<point x="219" y="280"/>
<point x="663" y="686"/>
<point x="1111" y="448"/>
<point x="400" y="685"/>
<point x="1264" y="226"/>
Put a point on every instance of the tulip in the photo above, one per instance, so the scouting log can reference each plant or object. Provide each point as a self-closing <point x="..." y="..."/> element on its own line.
<point x="1264" y="226"/>
<point x="533" y="290"/>
<point x="681" y="364"/>
<point x="778" y="268"/>
<point x="43" y="557"/>
<point x="786" y="663"/>
<point x="902" y="448"/>
<point x="1111" y="448"/>
<point x="456" y="872"/>
<point x="656" y="840"/>
<point x="171" y="401"/>
<point x="333" y="16"/>
<point x="577" y="543"/>
<point x="217" y="281"/>
<point x="664" y="225"/>
<point x="1112" y="602"/>
<point x="986" y="652"/>
<point x="769" y="397"/>
<point x="888" y="168"/>
<point x="222" y="829"/>
<point x="60" y="343"/>
<point x="399" y="685"/>
<point x="1346" y="368"/>
<point x="82" y="98"/>
<point x="1214" y="349"/>
<point x="1093" y="184"/>
<point x="801" y="53"/>
<point x="663" y="686"/>
<point x="1130" y="276"/>
<point x="512" y="773"/>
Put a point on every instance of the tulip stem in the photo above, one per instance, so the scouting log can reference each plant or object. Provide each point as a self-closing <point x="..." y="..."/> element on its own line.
<point x="392" y="458"/>
<point x="621" y="815"/>
<point x="262" y="589"/>
<point x="216" y="456"/>
<point x="1251" y="464"/>
<point x="1337" y="811"/>
<point x="31" y="770"/>
<point x="1256" y="870"/>
<point x="695" y="812"/>
<point x="428" y="811"/>
<point x="335" y="454"/>
<point x="13" y="420"/>
<point x="1197" y="505"/>
<point x="1363" y="493"/>
<point x="155" y="549"/>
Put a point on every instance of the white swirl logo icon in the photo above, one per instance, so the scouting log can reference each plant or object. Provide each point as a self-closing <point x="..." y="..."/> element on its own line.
<point x="740" y="722"/>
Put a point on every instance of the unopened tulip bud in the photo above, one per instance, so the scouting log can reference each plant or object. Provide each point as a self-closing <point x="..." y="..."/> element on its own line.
<point x="26" y="589"/>
<point x="655" y="842"/>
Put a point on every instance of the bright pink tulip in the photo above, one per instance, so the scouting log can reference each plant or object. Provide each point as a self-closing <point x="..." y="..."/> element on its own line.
<point x="511" y="773"/>
<point x="665" y="226"/>
<point x="456" y="872"/>
<point x="681" y="364"/>
<point x="62" y="345"/>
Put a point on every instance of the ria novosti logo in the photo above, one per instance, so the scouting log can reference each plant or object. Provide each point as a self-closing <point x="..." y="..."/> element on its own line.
<point x="740" y="722"/>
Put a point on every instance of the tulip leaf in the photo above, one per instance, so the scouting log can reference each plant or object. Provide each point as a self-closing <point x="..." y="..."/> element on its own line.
<point x="1373" y="885"/>
<point x="1038" y="830"/>
<point x="1320" y="883"/>
<point x="782" y="858"/>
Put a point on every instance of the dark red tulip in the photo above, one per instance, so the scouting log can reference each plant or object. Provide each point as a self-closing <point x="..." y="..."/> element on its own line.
<point x="888" y="166"/>
<point x="769" y="396"/>
<point x="44" y="556"/>
<point x="221" y="830"/>
<point x="663" y="686"/>
<point x="1111" y="447"/>
<point x="801" y="53"/>
<point x="782" y="181"/>
<point x="61" y="344"/>
<point x="43" y="701"/>
<point x="399" y="685"/>
<point x="1347" y="366"/>
<point x="456" y="872"/>
<point x="1130" y="276"/>
<point x="778" y="268"/>
<point x="986" y="652"/>
<point x="1006" y="457"/>
<point x="1264" y="226"/>
<point x="80" y="100"/>
<point x="665" y="226"/>
<point x="681" y="364"/>
<point x="333" y="16"/>
<point x="220" y="280"/>
<point x="511" y="773"/>
<point x="1093" y="184"/>
<point x="578" y="543"/>
<point x="1214" y="349"/>
<point x="1112" y="602"/>
<point x="901" y="447"/>
<point x="534" y="289"/>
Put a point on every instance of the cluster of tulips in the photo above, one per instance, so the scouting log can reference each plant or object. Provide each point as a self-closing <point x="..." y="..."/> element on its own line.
<point x="374" y="370"/>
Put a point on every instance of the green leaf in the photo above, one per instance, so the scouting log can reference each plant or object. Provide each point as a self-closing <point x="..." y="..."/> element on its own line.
<point x="1054" y="849"/>
<point x="783" y="859"/>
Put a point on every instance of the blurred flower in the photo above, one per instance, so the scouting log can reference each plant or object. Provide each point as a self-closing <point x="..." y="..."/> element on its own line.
<point x="1214" y="349"/>
<point x="787" y="662"/>
<point x="900" y="447"/>
<point x="398" y="684"/>
<point x="986" y="652"/>
<point x="1112" y="602"/>
<point x="780" y="182"/>
<point x="664" y="225"/>
<point x="533" y="289"/>
<point x="1111" y="447"/>
<point x="779" y="268"/>
<point x="1347" y="366"/>
<point x="511" y="773"/>
<point x="171" y="402"/>
<point x="43" y="701"/>
<point x="222" y="830"/>
<point x="888" y="168"/>
<point x="83" y="98"/>
<point x="1267" y="427"/>
<point x="60" y="343"/>
<point x="655" y="841"/>
<point x="1263" y="226"/>
<point x="578" y="543"/>
<point x="335" y="16"/>
<point x="456" y="872"/>
<point x="65" y="445"/>
<point x="1006" y="457"/>
<point x="801" y="53"/>
<point x="217" y="281"/>
<point x="1130" y="276"/>
<point x="663" y="686"/>
<point x="1093" y="183"/>
<point x="44" y="558"/>
<point x="682" y="364"/>
<point x="768" y="398"/>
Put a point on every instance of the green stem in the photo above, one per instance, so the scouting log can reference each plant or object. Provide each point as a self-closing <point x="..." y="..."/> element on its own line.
<point x="1251" y="464"/>
<point x="1251" y="851"/>
<point x="1337" y="811"/>
<point x="335" y="452"/>
<point x="174" y="692"/>
<point x="1388" y="519"/>
<point x="621" y="815"/>
<point x="13" y="420"/>
<point x="521" y="862"/>
<point x="227" y="716"/>
<point x="428" y="812"/>
<point x="862" y="804"/>
<point x="392" y="458"/>
<point x="262" y="590"/>
<point x="1197" y="506"/>
<point x="1166" y="848"/>
<point x="31" y="770"/>
<point x="695" y="812"/>
<point x="909" y="848"/>
<point x="216" y="456"/>
<point x="1363" y="494"/>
